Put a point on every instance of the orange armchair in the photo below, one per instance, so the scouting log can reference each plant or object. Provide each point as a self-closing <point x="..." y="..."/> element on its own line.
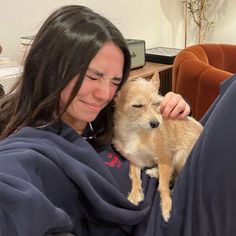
<point x="198" y="71"/>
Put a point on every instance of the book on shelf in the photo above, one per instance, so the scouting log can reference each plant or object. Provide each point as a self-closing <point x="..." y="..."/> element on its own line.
<point x="13" y="71"/>
<point x="27" y="39"/>
<point x="6" y="62"/>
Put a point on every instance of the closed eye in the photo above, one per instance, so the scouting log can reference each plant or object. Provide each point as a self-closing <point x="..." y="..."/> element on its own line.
<point x="115" y="81"/>
<point x="91" y="77"/>
<point x="157" y="104"/>
<point x="137" y="105"/>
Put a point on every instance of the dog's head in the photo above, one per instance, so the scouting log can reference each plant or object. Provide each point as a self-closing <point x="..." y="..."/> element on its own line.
<point x="138" y="103"/>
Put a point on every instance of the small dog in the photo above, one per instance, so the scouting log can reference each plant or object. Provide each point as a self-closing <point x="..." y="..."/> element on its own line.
<point x="146" y="139"/>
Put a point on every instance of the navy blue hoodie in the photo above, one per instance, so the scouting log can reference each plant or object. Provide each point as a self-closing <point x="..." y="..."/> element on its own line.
<point x="52" y="182"/>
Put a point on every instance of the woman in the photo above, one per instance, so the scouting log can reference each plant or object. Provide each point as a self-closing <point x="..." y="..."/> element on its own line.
<point x="58" y="172"/>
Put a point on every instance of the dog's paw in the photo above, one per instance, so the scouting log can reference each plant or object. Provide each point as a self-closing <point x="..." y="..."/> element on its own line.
<point x="136" y="198"/>
<point x="166" y="206"/>
<point x="153" y="172"/>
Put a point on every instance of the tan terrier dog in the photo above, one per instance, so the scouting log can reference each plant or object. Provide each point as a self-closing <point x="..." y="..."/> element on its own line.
<point x="146" y="139"/>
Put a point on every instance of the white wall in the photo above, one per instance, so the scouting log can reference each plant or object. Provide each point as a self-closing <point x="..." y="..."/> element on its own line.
<point x="158" y="22"/>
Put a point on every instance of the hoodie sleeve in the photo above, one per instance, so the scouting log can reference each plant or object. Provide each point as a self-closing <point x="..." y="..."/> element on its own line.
<point x="23" y="200"/>
<point x="21" y="205"/>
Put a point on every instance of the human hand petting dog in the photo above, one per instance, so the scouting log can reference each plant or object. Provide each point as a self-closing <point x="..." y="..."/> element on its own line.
<point x="173" y="106"/>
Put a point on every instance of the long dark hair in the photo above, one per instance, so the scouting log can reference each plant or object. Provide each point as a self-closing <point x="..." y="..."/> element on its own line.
<point x="63" y="48"/>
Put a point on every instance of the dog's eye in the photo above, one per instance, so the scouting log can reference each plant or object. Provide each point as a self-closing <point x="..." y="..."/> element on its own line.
<point x="157" y="104"/>
<point x="137" y="105"/>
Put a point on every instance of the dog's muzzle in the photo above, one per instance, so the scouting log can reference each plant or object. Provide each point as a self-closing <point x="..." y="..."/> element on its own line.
<point x="154" y="123"/>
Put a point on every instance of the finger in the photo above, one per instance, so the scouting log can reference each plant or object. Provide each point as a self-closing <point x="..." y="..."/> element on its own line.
<point x="177" y="111"/>
<point x="167" y="98"/>
<point x="184" y="113"/>
<point x="170" y="104"/>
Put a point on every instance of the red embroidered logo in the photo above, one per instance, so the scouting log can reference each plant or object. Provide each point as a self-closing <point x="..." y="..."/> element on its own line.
<point x="113" y="160"/>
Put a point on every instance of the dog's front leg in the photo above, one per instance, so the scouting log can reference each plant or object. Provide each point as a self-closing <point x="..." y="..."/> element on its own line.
<point x="136" y="195"/>
<point x="165" y="174"/>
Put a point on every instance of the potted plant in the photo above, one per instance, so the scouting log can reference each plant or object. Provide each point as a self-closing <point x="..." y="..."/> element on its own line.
<point x="198" y="10"/>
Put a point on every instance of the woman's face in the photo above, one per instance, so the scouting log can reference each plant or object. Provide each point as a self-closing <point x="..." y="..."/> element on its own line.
<point x="98" y="88"/>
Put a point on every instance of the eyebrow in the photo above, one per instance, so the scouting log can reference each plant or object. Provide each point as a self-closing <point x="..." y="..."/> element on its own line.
<point x="96" y="72"/>
<point x="100" y="74"/>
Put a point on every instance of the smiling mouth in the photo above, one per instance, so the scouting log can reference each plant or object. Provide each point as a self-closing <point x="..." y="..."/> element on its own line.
<point x="92" y="106"/>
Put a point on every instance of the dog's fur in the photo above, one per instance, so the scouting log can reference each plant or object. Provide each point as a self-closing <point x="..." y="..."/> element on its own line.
<point x="146" y="139"/>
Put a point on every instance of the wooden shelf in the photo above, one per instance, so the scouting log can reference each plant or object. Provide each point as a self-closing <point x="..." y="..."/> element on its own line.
<point x="150" y="68"/>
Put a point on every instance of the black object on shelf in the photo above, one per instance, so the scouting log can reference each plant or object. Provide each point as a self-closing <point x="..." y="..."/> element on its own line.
<point x="162" y="55"/>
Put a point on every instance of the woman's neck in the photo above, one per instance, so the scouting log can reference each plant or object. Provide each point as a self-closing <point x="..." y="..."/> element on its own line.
<point x="78" y="126"/>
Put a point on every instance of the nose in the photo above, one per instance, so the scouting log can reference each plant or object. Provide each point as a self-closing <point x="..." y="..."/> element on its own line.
<point x="104" y="92"/>
<point x="154" y="123"/>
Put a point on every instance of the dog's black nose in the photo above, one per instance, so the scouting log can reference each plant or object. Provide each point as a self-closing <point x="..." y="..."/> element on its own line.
<point x="154" y="123"/>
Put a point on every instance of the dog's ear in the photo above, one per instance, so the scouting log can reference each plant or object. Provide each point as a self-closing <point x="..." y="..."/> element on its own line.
<point x="132" y="80"/>
<point x="116" y="99"/>
<point x="156" y="80"/>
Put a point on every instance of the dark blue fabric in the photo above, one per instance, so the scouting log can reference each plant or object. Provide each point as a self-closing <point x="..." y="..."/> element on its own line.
<point x="57" y="182"/>
<point x="205" y="192"/>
